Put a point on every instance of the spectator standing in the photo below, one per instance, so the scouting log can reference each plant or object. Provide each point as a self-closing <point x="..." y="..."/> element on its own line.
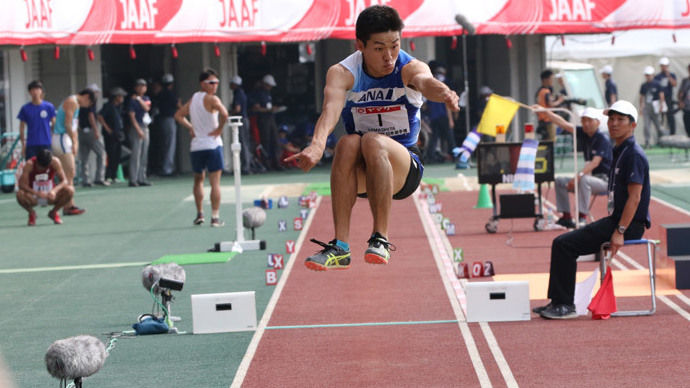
<point x="265" y="115"/>
<point x="610" y="87"/>
<point x="684" y="101"/>
<point x="651" y="95"/>
<point x="37" y="186"/>
<point x="36" y="119"/>
<point x="206" y="128"/>
<point x="168" y="104"/>
<point x="110" y="117"/>
<point x="545" y="97"/>
<point x="90" y="139"/>
<point x="668" y="81"/>
<point x="442" y="124"/>
<point x="139" y="119"/>
<point x="66" y="141"/>
<point x="239" y="108"/>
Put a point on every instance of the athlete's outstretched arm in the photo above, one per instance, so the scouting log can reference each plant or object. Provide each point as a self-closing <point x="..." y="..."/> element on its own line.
<point x="338" y="81"/>
<point x="417" y="74"/>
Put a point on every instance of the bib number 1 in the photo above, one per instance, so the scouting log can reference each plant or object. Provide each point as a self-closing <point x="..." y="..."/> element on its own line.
<point x="386" y="120"/>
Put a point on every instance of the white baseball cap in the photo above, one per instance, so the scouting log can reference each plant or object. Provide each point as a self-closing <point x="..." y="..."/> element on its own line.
<point x="167" y="78"/>
<point x="606" y="69"/>
<point x="592" y="113"/>
<point x="648" y="70"/>
<point x="237" y="80"/>
<point x="623" y="107"/>
<point x="93" y="87"/>
<point x="664" y="61"/>
<point x="268" y="79"/>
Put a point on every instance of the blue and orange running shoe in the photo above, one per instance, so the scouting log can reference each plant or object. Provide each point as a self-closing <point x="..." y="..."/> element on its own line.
<point x="330" y="257"/>
<point x="379" y="250"/>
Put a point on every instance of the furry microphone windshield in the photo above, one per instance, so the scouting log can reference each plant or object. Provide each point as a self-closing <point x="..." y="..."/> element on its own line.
<point x="74" y="358"/>
<point x="153" y="273"/>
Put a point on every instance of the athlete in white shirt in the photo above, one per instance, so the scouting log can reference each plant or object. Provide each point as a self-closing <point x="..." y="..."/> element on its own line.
<point x="208" y="117"/>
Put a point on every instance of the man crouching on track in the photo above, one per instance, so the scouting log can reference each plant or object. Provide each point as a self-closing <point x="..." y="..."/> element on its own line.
<point x="36" y="186"/>
<point x="378" y="91"/>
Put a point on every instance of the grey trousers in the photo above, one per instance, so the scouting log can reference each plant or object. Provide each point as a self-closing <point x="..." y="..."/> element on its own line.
<point x="88" y="143"/>
<point x="587" y="186"/>
<point x="649" y="115"/>
<point x="139" y="159"/>
<point x="169" y="130"/>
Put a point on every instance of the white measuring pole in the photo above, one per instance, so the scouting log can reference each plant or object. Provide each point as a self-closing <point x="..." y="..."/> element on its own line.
<point x="235" y="122"/>
<point x="239" y="245"/>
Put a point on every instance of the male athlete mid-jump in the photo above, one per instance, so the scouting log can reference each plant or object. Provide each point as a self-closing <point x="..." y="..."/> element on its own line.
<point x="378" y="91"/>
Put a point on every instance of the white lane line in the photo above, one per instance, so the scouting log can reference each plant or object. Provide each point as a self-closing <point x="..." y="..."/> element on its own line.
<point x="674" y="306"/>
<point x="74" y="267"/>
<point x="674" y="207"/>
<point x="684" y="299"/>
<point x="432" y="235"/>
<point x="254" y="344"/>
<point x="70" y="278"/>
<point x="498" y="356"/>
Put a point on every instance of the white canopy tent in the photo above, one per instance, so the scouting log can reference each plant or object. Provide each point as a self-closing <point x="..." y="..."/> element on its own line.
<point x="628" y="52"/>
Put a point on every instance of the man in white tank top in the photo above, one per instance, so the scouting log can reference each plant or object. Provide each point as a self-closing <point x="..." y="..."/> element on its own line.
<point x="206" y="127"/>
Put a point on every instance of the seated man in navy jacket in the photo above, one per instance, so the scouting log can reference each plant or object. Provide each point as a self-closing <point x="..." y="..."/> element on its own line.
<point x="628" y="205"/>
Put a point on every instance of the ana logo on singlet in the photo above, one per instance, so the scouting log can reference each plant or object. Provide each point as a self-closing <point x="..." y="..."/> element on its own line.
<point x="376" y="95"/>
<point x="44" y="114"/>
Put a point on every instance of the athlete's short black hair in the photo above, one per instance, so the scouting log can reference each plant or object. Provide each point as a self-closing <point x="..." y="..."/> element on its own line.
<point x="90" y="93"/>
<point x="207" y="72"/>
<point x="35" y="84"/>
<point x="546" y="74"/>
<point x="376" y="19"/>
<point x="44" y="157"/>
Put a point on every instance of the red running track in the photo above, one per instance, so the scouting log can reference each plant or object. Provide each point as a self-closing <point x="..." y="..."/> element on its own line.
<point x="409" y="288"/>
<point x="635" y="352"/>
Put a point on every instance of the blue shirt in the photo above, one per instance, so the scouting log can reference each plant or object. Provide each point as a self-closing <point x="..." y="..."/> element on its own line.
<point x="665" y="84"/>
<point x="112" y="115"/>
<point x="611" y="89"/>
<point x="437" y="110"/>
<point x="37" y="119"/>
<point x="84" y="116"/>
<point x="597" y="145"/>
<point x="382" y="105"/>
<point x="139" y="112"/>
<point x="630" y="165"/>
<point x="651" y="90"/>
<point x="240" y="98"/>
<point x="167" y="103"/>
<point x="263" y="98"/>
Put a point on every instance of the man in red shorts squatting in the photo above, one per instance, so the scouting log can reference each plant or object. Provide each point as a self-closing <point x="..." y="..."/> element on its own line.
<point x="36" y="186"/>
<point x="378" y="91"/>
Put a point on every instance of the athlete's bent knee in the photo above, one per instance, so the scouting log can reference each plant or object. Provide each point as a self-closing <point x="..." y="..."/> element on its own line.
<point x="372" y="145"/>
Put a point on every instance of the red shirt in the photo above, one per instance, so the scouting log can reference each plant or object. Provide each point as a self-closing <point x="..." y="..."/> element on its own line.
<point x="41" y="179"/>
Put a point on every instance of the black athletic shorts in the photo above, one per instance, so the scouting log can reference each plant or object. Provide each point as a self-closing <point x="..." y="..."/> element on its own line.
<point x="414" y="176"/>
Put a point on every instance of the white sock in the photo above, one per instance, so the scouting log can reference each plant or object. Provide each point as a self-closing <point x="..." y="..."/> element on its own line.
<point x="215" y="214"/>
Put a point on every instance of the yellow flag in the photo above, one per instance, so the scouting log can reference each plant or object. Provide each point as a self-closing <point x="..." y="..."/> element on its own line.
<point x="498" y="111"/>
